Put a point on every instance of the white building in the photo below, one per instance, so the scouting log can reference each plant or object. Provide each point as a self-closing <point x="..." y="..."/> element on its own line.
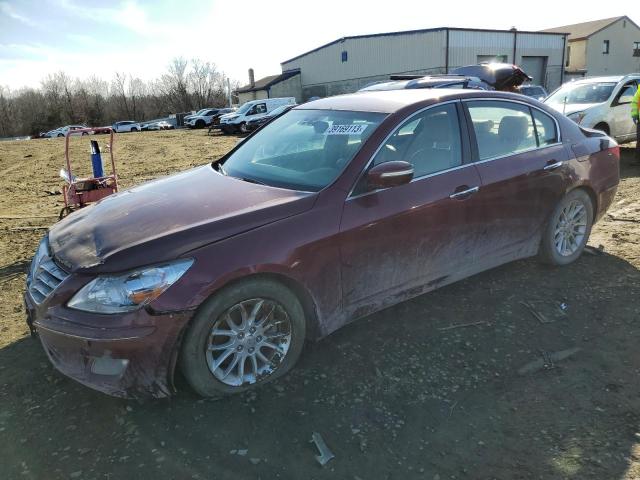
<point x="350" y="63"/>
<point x="610" y="46"/>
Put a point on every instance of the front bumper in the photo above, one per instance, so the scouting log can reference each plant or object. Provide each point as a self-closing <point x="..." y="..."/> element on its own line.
<point x="127" y="362"/>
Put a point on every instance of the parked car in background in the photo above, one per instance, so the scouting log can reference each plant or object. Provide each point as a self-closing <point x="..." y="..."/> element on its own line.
<point x="61" y="132"/>
<point x="484" y="76"/>
<point x="256" y="123"/>
<point x="52" y="133"/>
<point x="157" y="125"/>
<point x="205" y="118"/>
<point x="126" y="126"/>
<point x="199" y="112"/>
<point x="237" y="121"/>
<point x="334" y="210"/>
<point x="603" y="103"/>
<point x="534" y="91"/>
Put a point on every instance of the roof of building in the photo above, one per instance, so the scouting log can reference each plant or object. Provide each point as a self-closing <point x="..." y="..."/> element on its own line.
<point x="582" y="31"/>
<point x="266" y="82"/>
<point x="412" y="32"/>
<point x="390" y="101"/>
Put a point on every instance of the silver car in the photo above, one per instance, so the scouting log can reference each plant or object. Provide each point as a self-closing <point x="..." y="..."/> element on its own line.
<point x="602" y="103"/>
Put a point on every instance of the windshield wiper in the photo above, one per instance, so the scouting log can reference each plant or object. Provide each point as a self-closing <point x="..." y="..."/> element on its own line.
<point x="250" y="180"/>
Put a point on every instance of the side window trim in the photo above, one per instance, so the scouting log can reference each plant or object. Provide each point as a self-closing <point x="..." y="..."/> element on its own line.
<point x="464" y="140"/>
<point x="472" y="135"/>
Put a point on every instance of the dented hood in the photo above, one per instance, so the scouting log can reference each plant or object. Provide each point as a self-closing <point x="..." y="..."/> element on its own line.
<point x="163" y="219"/>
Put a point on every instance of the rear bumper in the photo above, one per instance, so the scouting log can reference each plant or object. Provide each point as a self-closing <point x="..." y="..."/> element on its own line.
<point x="129" y="362"/>
<point x="605" y="199"/>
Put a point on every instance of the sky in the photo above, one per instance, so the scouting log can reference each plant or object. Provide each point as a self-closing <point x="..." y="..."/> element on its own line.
<point x="85" y="38"/>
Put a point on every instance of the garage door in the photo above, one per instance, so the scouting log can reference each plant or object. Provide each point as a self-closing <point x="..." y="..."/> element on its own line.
<point x="535" y="67"/>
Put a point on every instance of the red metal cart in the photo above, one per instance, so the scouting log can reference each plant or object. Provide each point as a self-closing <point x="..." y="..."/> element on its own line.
<point x="78" y="192"/>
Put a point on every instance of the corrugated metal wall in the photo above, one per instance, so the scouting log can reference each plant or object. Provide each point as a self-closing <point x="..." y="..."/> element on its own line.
<point x="372" y="56"/>
<point x="465" y="46"/>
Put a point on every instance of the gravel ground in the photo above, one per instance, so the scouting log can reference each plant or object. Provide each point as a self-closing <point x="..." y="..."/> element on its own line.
<point x="405" y="393"/>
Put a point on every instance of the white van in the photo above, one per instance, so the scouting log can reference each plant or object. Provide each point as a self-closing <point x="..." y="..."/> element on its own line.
<point x="237" y="121"/>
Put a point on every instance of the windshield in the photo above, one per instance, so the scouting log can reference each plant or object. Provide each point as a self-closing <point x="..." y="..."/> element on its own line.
<point x="244" y="108"/>
<point x="303" y="149"/>
<point x="279" y="110"/>
<point x="582" y="93"/>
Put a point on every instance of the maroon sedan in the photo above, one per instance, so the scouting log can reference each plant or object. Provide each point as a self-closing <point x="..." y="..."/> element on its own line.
<point x="337" y="209"/>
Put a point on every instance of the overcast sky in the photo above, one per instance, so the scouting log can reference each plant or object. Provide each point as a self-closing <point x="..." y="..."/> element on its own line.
<point x="140" y="37"/>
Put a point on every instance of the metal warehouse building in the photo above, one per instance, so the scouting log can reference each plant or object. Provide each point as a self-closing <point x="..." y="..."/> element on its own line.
<point x="350" y="63"/>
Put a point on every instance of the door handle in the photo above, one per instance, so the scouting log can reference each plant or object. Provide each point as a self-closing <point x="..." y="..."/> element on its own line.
<point x="464" y="193"/>
<point x="552" y="165"/>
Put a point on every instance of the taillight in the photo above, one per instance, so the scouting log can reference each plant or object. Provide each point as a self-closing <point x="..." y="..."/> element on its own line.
<point x="615" y="151"/>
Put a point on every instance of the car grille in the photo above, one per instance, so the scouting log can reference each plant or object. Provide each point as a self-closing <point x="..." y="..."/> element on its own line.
<point x="47" y="276"/>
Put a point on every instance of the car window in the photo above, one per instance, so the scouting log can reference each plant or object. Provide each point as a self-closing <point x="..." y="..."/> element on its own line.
<point x="261" y="108"/>
<point x="582" y="93"/>
<point x="501" y="128"/>
<point x="545" y="128"/>
<point x="302" y="149"/>
<point x="429" y="141"/>
<point x="627" y="93"/>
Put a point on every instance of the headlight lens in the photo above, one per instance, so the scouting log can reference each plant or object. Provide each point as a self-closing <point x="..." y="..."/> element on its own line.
<point x="577" y="116"/>
<point x="40" y="252"/>
<point x="129" y="291"/>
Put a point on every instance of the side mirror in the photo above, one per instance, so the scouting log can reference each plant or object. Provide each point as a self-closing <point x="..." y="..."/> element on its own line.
<point x="390" y="174"/>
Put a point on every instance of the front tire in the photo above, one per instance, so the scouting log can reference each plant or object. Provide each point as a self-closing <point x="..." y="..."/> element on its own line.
<point x="568" y="229"/>
<point x="245" y="335"/>
<point x="244" y="128"/>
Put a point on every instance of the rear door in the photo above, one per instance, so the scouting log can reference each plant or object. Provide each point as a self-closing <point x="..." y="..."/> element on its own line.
<point x="522" y="164"/>
<point x="401" y="241"/>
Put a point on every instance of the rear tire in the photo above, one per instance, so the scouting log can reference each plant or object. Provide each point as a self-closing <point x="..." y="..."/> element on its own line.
<point x="568" y="229"/>
<point x="197" y="357"/>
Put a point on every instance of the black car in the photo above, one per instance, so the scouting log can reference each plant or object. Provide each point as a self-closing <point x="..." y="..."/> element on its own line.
<point x="276" y="112"/>
<point x="485" y="76"/>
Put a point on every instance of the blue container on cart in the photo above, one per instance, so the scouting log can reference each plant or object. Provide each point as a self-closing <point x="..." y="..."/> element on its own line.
<point x="96" y="160"/>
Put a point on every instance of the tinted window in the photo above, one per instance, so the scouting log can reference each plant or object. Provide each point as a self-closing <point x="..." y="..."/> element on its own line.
<point x="501" y="128"/>
<point x="261" y="108"/>
<point x="302" y="149"/>
<point x="545" y="128"/>
<point x="429" y="141"/>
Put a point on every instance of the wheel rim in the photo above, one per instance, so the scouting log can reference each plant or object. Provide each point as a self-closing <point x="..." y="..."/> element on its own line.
<point x="571" y="228"/>
<point x="243" y="128"/>
<point x="248" y="342"/>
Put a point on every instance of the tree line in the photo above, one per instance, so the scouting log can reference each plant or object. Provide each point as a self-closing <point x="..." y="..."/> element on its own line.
<point x="61" y="100"/>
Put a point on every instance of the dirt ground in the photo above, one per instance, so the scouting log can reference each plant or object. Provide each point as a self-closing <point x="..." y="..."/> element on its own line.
<point x="401" y="394"/>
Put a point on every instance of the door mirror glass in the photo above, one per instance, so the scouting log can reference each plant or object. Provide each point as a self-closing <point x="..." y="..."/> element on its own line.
<point x="389" y="174"/>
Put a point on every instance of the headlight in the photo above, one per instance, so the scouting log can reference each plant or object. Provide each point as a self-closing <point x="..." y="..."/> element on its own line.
<point x="577" y="116"/>
<point x="129" y="291"/>
<point x="40" y="252"/>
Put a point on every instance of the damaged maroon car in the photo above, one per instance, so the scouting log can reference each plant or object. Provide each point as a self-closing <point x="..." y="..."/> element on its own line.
<point x="337" y="209"/>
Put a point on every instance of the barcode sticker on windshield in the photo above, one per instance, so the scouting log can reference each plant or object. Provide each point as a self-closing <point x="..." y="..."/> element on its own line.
<point x="346" y="129"/>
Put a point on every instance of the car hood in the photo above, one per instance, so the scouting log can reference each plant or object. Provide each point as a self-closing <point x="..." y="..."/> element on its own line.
<point x="570" y="108"/>
<point x="166" y="218"/>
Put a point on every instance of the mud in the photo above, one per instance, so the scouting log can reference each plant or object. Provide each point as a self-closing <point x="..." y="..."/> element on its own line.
<point x="427" y="389"/>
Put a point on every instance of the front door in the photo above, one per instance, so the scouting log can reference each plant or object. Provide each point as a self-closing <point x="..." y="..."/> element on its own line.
<point x="398" y="242"/>
<point x="623" y="126"/>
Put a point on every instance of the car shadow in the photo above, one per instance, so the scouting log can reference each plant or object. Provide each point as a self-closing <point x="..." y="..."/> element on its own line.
<point x="12" y="270"/>
<point x="429" y="388"/>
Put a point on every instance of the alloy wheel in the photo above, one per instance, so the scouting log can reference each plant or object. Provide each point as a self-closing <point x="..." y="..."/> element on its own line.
<point x="571" y="228"/>
<point x="248" y="342"/>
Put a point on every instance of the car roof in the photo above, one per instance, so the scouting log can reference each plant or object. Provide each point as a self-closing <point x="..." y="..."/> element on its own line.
<point x="390" y="101"/>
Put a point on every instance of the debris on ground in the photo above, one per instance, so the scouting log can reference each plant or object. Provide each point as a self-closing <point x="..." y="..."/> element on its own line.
<point x="325" y="453"/>
<point x="547" y="361"/>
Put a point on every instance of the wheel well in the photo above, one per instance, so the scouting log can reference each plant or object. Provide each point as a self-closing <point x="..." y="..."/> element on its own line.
<point x="603" y="126"/>
<point x="303" y="295"/>
<point x="593" y="197"/>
